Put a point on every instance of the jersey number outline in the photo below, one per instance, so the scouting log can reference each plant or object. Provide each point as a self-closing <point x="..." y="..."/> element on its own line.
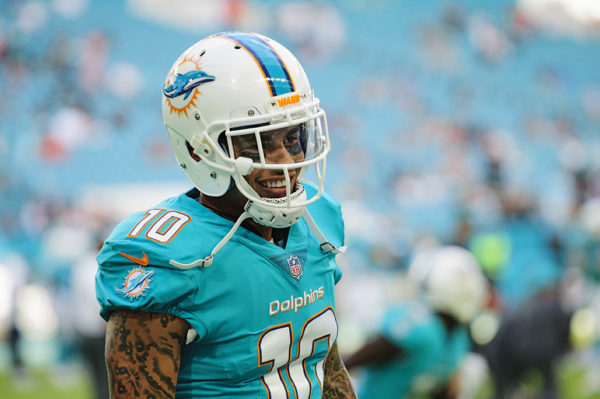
<point x="164" y="229"/>
<point x="275" y="349"/>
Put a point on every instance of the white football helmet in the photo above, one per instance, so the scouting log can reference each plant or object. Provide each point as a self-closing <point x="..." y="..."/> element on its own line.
<point x="451" y="280"/>
<point x="243" y="84"/>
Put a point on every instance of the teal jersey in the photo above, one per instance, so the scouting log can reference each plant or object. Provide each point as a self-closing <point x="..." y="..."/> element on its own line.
<point x="429" y="356"/>
<point x="264" y="315"/>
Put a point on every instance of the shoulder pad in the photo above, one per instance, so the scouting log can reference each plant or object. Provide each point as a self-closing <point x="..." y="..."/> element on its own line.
<point x="160" y="234"/>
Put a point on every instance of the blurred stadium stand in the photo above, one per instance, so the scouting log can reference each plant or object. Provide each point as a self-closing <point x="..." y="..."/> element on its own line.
<point x="444" y="117"/>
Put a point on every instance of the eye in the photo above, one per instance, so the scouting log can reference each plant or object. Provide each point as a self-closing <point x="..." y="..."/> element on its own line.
<point x="245" y="146"/>
<point x="292" y="142"/>
<point x="292" y="137"/>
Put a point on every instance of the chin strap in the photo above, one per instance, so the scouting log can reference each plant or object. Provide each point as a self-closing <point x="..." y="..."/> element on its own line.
<point x="209" y="259"/>
<point x="326" y="246"/>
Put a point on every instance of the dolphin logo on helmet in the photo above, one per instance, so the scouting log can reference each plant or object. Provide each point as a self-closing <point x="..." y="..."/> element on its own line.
<point x="186" y="83"/>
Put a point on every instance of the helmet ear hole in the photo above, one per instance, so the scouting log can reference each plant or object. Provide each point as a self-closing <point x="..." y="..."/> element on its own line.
<point x="194" y="156"/>
<point x="222" y="140"/>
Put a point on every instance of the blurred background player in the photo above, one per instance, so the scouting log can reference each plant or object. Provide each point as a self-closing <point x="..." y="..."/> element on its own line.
<point x="531" y="339"/>
<point x="421" y="343"/>
<point x="224" y="290"/>
<point x="529" y="279"/>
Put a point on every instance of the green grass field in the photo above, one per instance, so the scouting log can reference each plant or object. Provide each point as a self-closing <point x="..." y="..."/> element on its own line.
<point x="573" y="380"/>
<point x="75" y="383"/>
<point x="44" y="384"/>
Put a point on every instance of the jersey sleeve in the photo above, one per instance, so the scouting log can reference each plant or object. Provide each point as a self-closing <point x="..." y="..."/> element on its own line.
<point x="135" y="274"/>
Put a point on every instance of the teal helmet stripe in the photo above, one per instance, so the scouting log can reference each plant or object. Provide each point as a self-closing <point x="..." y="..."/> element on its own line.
<point x="272" y="66"/>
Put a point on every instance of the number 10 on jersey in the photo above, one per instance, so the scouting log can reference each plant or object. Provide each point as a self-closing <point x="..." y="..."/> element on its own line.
<point x="275" y="350"/>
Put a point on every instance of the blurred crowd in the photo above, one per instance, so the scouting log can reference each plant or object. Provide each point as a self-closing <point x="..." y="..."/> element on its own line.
<point x="453" y="122"/>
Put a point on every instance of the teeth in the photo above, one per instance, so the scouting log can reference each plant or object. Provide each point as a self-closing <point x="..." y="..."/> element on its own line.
<point x="274" y="184"/>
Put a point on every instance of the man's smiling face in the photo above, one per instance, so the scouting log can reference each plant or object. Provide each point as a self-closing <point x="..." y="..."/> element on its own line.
<point x="281" y="146"/>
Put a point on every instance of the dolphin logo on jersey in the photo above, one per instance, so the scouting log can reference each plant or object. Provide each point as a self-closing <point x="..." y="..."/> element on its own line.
<point x="295" y="267"/>
<point x="136" y="282"/>
<point x="186" y="83"/>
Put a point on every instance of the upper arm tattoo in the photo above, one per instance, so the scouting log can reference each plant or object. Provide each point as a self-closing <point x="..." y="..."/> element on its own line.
<point x="143" y="351"/>
<point x="337" y="384"/>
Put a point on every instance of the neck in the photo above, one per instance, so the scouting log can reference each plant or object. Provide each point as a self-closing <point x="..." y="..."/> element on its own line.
<point x="231" y="206"/>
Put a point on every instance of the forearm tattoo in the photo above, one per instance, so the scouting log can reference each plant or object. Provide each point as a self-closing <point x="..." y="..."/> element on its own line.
<point x="143" y="352"/>
<point x="337" y="383"/>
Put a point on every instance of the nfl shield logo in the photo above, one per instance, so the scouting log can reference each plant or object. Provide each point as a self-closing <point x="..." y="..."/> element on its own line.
<point x="295" y="267"/>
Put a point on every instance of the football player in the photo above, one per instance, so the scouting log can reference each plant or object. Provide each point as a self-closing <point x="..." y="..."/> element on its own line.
<point x="227" y="290"/>
<point x="420" y="343"/>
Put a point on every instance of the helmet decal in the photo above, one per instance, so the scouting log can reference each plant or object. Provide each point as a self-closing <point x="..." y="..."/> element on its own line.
<point x="270" y="63"/>
<point x="183" y="80"/>
<point x="186" y="83"/>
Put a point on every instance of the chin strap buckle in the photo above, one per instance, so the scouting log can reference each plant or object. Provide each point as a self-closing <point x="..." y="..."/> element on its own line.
<point x="200" y="262"/>
<point x="327" y="247"/>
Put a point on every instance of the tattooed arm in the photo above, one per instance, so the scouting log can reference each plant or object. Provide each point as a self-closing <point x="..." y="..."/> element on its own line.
<point x="143" y="351"/>
<point x="337" y="383"/>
